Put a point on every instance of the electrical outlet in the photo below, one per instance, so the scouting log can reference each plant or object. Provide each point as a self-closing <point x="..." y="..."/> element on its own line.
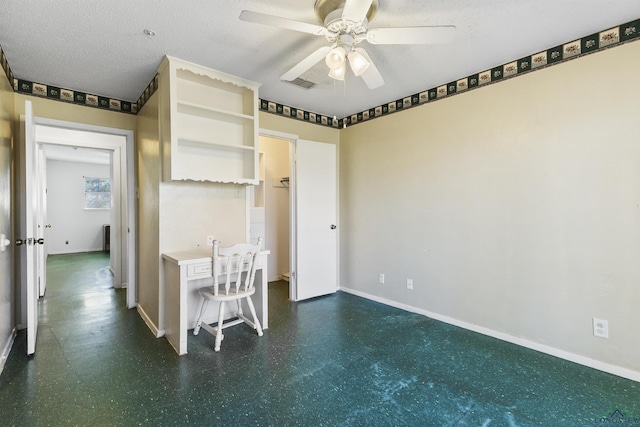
<point x="381" y="279"/>
<point x="600" y="328"/>
<point x="210" y="240"/>
<point x="410" y="284"/>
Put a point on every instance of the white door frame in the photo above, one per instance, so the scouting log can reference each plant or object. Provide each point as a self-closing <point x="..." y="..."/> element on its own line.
<point x="292" y="139"/>
<point x="122" y="166"/>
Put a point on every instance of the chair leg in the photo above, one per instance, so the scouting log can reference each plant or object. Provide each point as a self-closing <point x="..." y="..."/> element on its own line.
<point x="239" y="301"/>
<point x="255" y="317"/>
<point x="203" y="308"/>
<point x="219" y="328"/>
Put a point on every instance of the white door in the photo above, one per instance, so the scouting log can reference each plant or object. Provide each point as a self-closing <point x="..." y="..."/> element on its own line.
<point x="315" y="212"/>
<point x="27" y="238"/>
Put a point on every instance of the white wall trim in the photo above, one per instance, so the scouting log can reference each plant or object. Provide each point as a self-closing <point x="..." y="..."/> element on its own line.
<point x="6" y="349"/>
<point x="154" y="329"/>
<point x="552" y="351"/>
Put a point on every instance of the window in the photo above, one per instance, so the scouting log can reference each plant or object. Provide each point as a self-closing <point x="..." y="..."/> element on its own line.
<point x="97" y="193"/>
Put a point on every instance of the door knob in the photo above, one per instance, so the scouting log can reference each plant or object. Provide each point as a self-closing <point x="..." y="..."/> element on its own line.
<point x="333" y="226"/>
<point x="20" y="242"/>
<point x="47" y="226"/>
<point x="4" y="242"/>
<point x="40" y="241"/>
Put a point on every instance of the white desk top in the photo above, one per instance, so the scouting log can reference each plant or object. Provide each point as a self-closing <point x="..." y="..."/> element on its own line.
<point x="194" y="256"/>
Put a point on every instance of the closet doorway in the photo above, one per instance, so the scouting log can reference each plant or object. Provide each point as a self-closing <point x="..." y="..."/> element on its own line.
<point x="270" y="214"/>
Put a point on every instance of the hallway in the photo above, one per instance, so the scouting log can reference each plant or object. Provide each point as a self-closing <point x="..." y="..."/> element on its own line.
<point x="336" y="360"/>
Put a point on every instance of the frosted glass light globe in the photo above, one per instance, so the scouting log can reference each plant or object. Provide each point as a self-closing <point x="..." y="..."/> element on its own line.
<point x="335" y="58"/>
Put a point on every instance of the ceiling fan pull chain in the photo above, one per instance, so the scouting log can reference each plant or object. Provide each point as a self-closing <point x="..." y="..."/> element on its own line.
<point x="334" y="100"/>
<point x="344" y="101"/>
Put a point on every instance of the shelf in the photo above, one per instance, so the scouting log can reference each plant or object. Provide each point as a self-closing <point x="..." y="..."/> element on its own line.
<point x="220" y="145"/>
<point x="205" y="91"/>
<point x="206" y="111"/>
<point x="215" y="130"/>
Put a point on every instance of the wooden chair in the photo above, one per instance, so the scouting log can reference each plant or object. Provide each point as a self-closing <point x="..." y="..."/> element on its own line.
<point x="237" y="266"/>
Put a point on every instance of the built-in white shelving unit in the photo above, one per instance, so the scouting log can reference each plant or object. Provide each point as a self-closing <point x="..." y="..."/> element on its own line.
<point x="209" y="124"/>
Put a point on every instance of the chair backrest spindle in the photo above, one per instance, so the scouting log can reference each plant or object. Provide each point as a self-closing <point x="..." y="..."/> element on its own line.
<point x="238" y="260"/>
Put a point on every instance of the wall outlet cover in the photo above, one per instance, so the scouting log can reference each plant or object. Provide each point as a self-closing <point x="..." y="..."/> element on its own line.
<point x="600" y="328"/>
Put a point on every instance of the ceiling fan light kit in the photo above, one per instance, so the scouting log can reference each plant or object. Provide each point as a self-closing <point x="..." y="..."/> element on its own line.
<point x="335" y="58"/>
<point x="358" y="62"/>
<point x="343" y="51"/>
<point x="338" y="73"/>
<point x="346" y="24"/>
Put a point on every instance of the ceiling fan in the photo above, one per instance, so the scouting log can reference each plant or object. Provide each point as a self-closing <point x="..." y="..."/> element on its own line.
<point x="345" y="25"/>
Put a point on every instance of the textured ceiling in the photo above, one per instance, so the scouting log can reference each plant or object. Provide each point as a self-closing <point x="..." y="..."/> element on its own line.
<point x="99" y="46"/>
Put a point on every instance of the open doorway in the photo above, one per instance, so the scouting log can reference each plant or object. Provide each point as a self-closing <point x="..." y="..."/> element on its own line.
<point x="91" y="153"/>
<point x="271" y="206"/>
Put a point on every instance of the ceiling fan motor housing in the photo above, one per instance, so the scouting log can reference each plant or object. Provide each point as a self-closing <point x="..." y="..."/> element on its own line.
<point x="338" y="27"/>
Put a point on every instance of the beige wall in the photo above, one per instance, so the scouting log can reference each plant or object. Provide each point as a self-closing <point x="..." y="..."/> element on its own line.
<point x="299" y="128"/>
<point x="148" y="179"/>
<point x="514" y="207"/>
<point x="7" y="293"/>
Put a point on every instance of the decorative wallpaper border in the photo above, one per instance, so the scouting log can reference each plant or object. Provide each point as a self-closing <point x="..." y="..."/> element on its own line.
<point x="537" y="61"/>
<point x="5" y="66"/>
<point x="298" y="114"/>
<point x="571" y="50"/>
<point x="73" y="96"/>
<point x="64" y="95"/>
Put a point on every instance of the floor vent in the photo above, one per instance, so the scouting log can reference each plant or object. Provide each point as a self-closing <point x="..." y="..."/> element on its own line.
<point x="302" y="83"/>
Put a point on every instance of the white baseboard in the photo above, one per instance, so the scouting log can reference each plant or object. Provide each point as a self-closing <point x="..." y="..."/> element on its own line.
<point x="6" y="349"/>
<point x="562" y="354"/>
<point x="154" y="329"/>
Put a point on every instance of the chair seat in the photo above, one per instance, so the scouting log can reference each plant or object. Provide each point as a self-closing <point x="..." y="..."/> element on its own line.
<point x="209" y="293"/>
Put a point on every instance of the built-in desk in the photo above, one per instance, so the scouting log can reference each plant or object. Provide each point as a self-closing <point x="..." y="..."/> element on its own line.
<point x="184" y="274"/>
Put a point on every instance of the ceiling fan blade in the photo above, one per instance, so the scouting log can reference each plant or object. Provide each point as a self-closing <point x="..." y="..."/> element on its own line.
<point x="356" y="10"/>
<point x="412" y="35"/>
<point x="306" y="63"/>
<point x="372" y="77"/>
<point x="277" y="21"/>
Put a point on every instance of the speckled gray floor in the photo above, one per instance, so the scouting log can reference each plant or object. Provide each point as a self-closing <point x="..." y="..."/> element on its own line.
<point x="333" y="361"/>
